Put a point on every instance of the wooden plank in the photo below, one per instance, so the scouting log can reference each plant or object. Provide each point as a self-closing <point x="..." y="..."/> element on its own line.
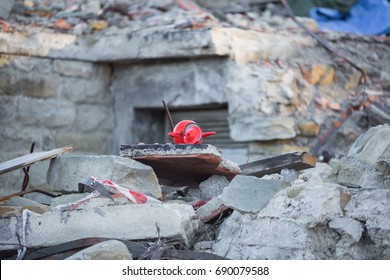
<point x="297" y="161"/>
<point x="29" y="159"/>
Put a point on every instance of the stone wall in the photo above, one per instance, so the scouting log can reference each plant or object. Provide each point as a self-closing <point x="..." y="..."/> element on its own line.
<point x="54" y="103"/>
<point x="283" y="91"/>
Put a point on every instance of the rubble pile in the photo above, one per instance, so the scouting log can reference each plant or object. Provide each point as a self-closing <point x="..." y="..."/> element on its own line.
<point x="110" y="16"/>
<point x="93" y="73"/>
<point x="317" y="213"/>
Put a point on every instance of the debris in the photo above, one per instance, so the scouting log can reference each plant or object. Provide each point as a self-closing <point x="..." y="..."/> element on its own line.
<point x="212" y="187"/>
<point x="106" y="250"/>
<point x="128" y="222"/>
<point x="249" y="193"/>
<point x="29" y="159"/>
<point x="5" y="8"/>
<point x="62" y="24"/>
<point x="99" y="25"/>
<point x="211" y="209"/>
<point x="308" y="128"/>
<point x="67" y="249"/>
<point x="194" y="163"/>
<point x="367" y="164"/>
<point x="65" y="172"/>
<point x="297" y="161"/>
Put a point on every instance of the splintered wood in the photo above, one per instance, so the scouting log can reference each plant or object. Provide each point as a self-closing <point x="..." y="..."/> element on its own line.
<point x="297" y="161"/>
<point x="29" y="159"/>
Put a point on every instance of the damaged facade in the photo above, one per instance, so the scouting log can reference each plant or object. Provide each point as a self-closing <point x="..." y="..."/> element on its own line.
<point x="266" y="91"/>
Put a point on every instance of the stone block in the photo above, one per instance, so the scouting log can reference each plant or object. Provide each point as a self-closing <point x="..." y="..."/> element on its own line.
<point x="261" y="128"/>
<point x="91" y="91"/>
<point x="127" y="222"/>
<point x="30" y="84"/>
<point x="5" y="8"/>
<point x="249" y="193"/>
<point x="48" y="113"/>
<point x="65" y="172"/>
<point x="213" y="187"/>
<point x="370" y="147"/>
<point x="91" y="143"/>
<point x="308" y="128"/>
<point x="94" y="117"/>
<point x="320" y="74"/>
<point x="310" y="224"/>
<point x="74" y="68"/>
<point x="107" y="250"/>
<point x="367" y="164"/>
<point x="207" y="209"/>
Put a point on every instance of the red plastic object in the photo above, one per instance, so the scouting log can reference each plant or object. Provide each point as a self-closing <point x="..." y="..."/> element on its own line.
<point x="188" y="132"/>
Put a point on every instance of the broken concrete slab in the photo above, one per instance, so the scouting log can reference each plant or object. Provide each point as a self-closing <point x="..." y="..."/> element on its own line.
<point x="367" y="164"/>
<point x="67" y="198"/>
<point x="249" y="193"/>
<point x="65" y="173"/>
<point x="211" y="209"/>
<point x="180" y="162"/>
<point x="127" y="222"/>
<point x="107" y="250"/>
<point x="317" y="174"/>
<point x="287" y="228"/>
<point x="212" y="187"/>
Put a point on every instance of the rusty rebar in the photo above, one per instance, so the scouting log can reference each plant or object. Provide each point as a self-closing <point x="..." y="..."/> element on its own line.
<point x="26" y="170"/>
<point x="168" y="114"/>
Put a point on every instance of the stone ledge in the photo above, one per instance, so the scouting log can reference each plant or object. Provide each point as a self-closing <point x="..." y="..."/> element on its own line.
<point x="241" y="45"/>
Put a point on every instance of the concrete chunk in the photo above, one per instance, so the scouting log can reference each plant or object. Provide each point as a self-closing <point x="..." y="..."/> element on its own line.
<point x="126" y="222"/>
<point x="108" y="250"/>
<point x="367" y="164"/>
<point x="205" y="212"/>
<point x="65" y="173"/>
<point x="249" y="193"/>
<point x="213" y="187"/>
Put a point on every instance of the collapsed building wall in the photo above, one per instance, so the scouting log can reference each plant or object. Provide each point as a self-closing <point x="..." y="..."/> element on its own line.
<point x="281" y="91"/>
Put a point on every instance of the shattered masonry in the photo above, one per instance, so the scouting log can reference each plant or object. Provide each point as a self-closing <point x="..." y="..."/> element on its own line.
<point x="93" y="75"/>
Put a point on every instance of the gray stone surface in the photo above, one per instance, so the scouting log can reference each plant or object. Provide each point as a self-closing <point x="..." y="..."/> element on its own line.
<point x="54" y="103"/>
<point x="107" y="250"/>
<point x="209" y="207"/>
<point x="127" y="222"/>
<point x="66" y="171"/>
<point x="249" y="193"/>
<point x="5" y="8"/>
<point x="213" y="187"/>
<point x="316" y="221"/>
<point x="367" y="164"/>
<point x="67" y="198"/>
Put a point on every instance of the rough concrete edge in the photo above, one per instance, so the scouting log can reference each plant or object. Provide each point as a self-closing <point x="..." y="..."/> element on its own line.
<point x="241" y="45"/>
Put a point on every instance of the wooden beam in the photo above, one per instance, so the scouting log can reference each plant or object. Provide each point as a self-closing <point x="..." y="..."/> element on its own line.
<point x="297" y="161"/>
<point x="29" y="159"/>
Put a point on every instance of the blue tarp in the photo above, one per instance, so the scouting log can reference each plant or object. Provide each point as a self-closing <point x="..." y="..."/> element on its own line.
<point x="367" y="17"/>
